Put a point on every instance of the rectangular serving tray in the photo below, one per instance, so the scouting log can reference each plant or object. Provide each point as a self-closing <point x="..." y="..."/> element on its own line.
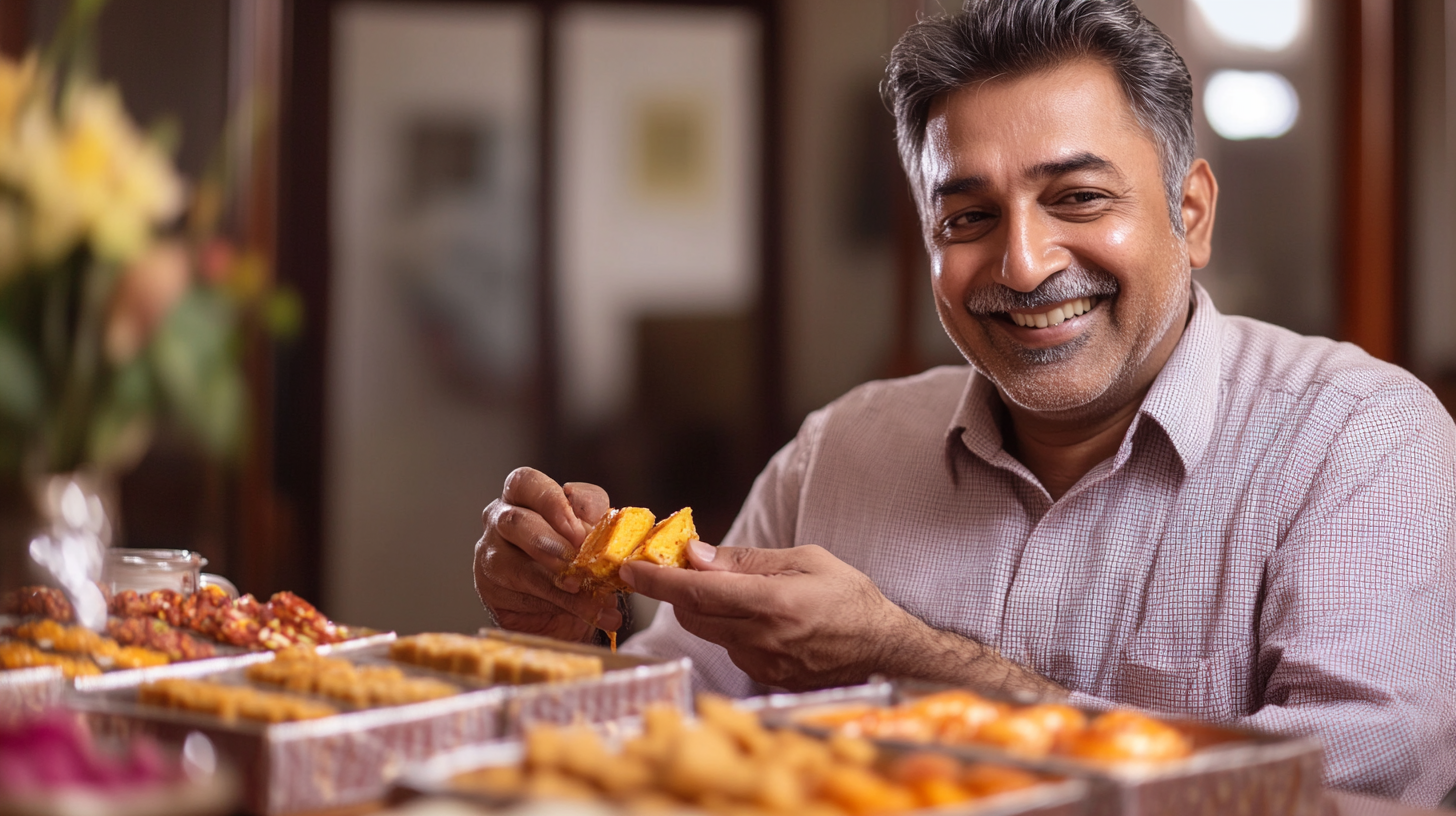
<point x="1247" y="772"/>
<point x="1063" y="797"/>
<point x="353" y="756"/>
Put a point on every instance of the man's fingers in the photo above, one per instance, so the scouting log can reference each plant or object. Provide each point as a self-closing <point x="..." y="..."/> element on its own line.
<point x="601" y="613"/>
<point x="531" y="533"/>
<point x="588" y="501"/>
<point x="510" y="582"/>
<point x="719" y="594"/>
<point x="534" y="490"/>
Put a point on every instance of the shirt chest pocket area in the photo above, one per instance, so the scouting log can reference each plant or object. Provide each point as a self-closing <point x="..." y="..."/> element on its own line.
<point x="1209" y="675"/>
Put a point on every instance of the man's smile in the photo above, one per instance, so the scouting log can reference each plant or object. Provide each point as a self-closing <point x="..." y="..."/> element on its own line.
<point x="1054" y="316"/>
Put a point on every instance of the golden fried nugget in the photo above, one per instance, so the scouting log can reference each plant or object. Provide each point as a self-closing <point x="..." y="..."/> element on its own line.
<point x="743" y="726"/>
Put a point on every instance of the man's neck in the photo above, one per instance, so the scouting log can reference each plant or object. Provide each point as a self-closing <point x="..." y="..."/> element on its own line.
<point x="1059" y="454"/>
<point x="1060" y="450"/>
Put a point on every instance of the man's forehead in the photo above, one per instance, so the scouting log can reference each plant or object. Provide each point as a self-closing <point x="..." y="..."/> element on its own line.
<point x="1070" y="117"/>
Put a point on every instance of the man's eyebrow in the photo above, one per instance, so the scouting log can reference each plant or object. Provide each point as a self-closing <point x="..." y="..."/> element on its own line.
<point x="1081" y="161"/>
<point x="960" y="186"/>
<point x="974" y="184"/>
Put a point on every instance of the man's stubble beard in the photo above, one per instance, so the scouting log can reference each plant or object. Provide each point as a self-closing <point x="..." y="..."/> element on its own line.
<point x="1043" y="391"/>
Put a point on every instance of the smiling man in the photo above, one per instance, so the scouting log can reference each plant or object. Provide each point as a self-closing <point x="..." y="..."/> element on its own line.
<point x="1127" y="497"/>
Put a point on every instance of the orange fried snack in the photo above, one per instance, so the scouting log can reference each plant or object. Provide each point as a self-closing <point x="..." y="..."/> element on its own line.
<point x="1127" y="736"/>
<point x="17" y="655"/>
<point x="728" y="762"/>
<point x="1033" y="731"/>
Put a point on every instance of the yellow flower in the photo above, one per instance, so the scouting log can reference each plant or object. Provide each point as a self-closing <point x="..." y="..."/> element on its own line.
<point x="92" y="176"/>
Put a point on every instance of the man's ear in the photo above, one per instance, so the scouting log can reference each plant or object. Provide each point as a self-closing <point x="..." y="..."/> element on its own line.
<point x="1200" y="200"/>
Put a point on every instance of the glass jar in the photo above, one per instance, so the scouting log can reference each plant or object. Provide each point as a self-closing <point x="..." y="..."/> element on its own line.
<point x="147" y="570"/>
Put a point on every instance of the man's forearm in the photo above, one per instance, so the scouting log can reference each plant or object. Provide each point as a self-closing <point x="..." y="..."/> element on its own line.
<point x="924" y="653"/>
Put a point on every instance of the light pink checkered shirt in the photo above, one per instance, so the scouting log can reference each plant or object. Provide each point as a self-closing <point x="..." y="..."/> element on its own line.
<point x="1270" y="546"/>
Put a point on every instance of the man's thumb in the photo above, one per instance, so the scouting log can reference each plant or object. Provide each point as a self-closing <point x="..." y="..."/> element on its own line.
<point x="746" y="560"/>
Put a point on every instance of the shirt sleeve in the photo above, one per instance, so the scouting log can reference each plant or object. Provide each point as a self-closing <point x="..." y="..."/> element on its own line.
<point x="768" y="520"/>
<point x="1355" y="638"/>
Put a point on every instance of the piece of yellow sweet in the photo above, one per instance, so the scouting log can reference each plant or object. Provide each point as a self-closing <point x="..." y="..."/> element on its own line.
<point x="612" y="541"/>
<point x="667" y="542"/>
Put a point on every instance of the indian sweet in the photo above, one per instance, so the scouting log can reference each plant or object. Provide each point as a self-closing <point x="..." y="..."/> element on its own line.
<point x="631" y="534"/>
<point x="493" y="661"/>
<point x="231" y="703"/>
<point x="728" y="762"/>
<point x="1033" y="731"/>
<point x="301" y="669"/>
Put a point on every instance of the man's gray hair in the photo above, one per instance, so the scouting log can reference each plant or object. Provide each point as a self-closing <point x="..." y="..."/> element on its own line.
<point x="992" y="39"/>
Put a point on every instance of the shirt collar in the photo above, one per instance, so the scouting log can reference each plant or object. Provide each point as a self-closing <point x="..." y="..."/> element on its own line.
<point x="1183" y="399"/>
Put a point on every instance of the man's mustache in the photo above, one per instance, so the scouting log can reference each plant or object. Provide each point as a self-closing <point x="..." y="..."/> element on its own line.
<point x="1073" y="282"/>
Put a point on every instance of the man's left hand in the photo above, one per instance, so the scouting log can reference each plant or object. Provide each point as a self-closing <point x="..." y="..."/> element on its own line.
<point x="797" y="618"/>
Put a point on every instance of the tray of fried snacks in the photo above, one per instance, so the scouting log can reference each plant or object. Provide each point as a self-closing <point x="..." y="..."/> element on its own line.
<point x="629" y="684"/>
<point x="725" y="760"/>
<point x="547" y="680"/>
<point x="1136" y="762"/>
<point x="307" y="730"/>
<point x="200" y="624"/>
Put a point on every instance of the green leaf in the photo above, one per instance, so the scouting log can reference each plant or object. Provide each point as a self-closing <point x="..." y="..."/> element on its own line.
<point x="121" y="427"/>
<point x="197" y="370"/>
<point x="21" y="388"/>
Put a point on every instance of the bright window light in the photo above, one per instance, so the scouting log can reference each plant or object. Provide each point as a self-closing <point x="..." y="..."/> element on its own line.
<point x="1250" y="104"/>
<point x="1268" y="25"/>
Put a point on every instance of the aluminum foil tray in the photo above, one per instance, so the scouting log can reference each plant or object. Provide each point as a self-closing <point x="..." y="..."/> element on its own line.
<point x="27" y="692"/>
<point x="1066" y="797"/>
<point x="286" y="767"/>
<point x="1243" y="772"/>
<point x="352" y="757"/>
<point x="629" y="685"/>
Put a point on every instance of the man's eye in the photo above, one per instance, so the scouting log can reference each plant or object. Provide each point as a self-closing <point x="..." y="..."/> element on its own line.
<point x="967" y="219"/>
<point x="1085" y="197"/>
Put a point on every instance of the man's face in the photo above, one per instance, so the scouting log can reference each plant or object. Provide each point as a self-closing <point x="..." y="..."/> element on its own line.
<point x="1056" y="268"/>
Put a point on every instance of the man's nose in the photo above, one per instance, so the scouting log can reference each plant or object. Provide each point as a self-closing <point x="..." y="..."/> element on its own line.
<point x="1033" y="252"/>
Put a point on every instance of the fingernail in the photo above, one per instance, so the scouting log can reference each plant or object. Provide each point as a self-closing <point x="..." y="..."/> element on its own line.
<point x="704" y="552"/>
<point x="570" y="583"/>
<point x="608" y="620"/>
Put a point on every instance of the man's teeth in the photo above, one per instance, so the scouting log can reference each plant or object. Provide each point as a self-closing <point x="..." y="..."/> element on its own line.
<point x="1056" y="316"/>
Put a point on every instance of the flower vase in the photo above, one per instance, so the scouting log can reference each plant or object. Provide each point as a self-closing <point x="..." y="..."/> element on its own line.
<point x="55" y="530"/>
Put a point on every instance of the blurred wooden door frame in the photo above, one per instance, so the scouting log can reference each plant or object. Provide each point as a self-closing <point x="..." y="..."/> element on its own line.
<point x="303" y="212"/>
<point x="1374" y="165"/>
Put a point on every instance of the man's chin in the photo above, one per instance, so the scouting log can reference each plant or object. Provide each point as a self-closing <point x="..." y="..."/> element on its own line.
<point x="1051" y="355"/>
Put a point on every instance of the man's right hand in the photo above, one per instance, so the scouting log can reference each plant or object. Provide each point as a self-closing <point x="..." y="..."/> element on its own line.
<point x="531" y="534"/>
